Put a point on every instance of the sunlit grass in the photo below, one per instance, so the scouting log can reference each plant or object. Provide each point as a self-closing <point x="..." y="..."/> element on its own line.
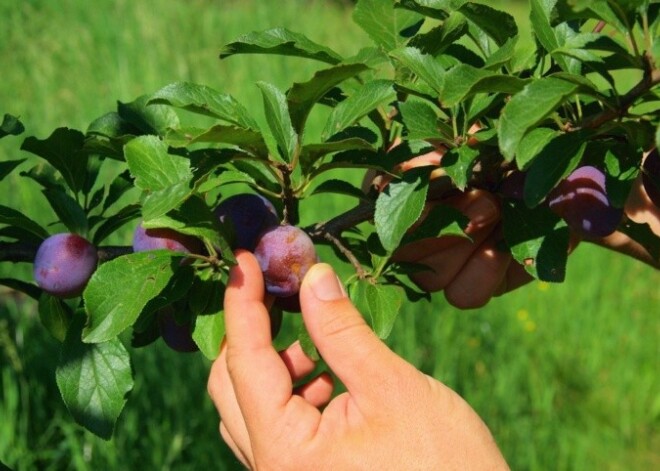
<point x="565" y="375"/>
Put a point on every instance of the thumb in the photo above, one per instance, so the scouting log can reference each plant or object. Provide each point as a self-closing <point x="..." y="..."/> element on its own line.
<point x="347" y="344"/>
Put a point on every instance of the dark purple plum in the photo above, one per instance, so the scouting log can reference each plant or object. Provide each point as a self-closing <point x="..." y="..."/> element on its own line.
<point x="512" y="185"/>
<point x="63" y="264"/>
<point x="177" y="336"/>
<point x="285" y="253"/>
<point x="581" y="200"/>
<point x="154" y="239"/>
<point x="249" y="215"/>
<point x="651" y="176"/>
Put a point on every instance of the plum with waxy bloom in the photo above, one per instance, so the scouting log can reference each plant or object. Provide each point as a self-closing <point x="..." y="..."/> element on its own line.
<point x="64" y="264"/>
<point x="249" y="215"/>
<point x="285" y="253"/>
<point x="162" y="238"/>
<point x="581" y="200"/>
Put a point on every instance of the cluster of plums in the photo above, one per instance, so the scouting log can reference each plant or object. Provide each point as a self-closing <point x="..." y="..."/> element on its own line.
<point x="65" y="262"/>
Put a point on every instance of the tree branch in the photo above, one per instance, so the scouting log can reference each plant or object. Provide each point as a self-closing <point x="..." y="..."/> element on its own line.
<point x="17" y="252"/>
<point x="651" y="78"/>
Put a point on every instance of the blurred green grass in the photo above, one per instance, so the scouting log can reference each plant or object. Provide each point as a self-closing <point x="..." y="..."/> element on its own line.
<point x="565" y="375"/>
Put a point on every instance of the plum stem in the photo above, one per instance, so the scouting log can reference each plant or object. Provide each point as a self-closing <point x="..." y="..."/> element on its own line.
<point x="331" y="231"/>
<point x="288" y="197"/>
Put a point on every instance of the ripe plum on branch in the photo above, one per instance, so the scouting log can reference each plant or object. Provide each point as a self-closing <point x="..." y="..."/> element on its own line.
<point x="63" y="264"/>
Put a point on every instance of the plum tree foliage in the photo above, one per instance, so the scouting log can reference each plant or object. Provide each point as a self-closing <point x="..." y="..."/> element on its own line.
<point x="513" y="117"/>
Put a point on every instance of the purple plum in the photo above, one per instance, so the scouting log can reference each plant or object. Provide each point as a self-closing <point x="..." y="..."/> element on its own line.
<point x="285" y="253"/>
<point x="154" y="239"/>
<point x="64" y="264"/>
<point x="177" y="336"/>
<point x="249" y="215"/>
<point x="581" y="200"/>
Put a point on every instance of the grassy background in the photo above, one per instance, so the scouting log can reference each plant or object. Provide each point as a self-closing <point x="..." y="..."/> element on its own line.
<point x="565" y="375"/>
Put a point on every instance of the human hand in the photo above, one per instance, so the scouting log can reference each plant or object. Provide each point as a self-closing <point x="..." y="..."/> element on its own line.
<point x="391" y="417"/>
<point x="470" y="270"/>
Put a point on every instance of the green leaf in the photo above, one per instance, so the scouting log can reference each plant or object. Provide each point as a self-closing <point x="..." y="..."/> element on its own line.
<point x="63" y="149"/>
<point x="458" y="163"/>
<point x="399" y="206"/>
<point x="440" y="38"/>
<point x="221" y="134"/>
<point x="94" y="380"/>
<point x="148" y="119"/>
<point x="388" y="27"/>
<point x="420" y="120"/>
<point x="303" y="96"/>
<point x="359" y="104"/>
<point x="115" y="222"/>
<point x="502" y="56"/>
<point x="208" y="333"/>
<point x="282" y="42"/>
<point x="538" y="239"/>
<point x="340" y="187"/>
<point x="196" y="219"/>
<point x="383" y="303"/>
<point x="111" y="125"/>
<point x="557" y="159"/>
<point x="120" y="185"/>
<point x="70" y="213"/>
<point x="138" y="277"/>
<point x="310" y="153"/>
<point x="441" y="221"/>
<point x="499" y="25"/>
<point x="279" y="120"/>
<point x="540" y="18"/>
<point x="206" y="101"/>
<point x="423" y="65"/>
<point x="532" y="145"/>
<point x="55" y="316"/>
<point x="11" y="125"/>
<point x="11" y="217"/>
<point x="463" y="81"/>
<point x="538" y="100"/>
<point x="8" y="166"/>
<point x="164" y="177"/>
<point x="152" y="166"/>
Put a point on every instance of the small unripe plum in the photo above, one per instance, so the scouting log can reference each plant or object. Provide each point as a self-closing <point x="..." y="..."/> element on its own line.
<point x="285" y="253"/>
<point x="64" y="264"/>
<point x="651" y="176"/>
<point x="162" y="238"/>
<point x="581" y="200"/>
<point x="177" y="336"/>
<point x="249" y="215"/>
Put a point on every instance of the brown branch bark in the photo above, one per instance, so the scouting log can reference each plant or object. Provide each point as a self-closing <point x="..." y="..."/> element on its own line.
<point x="651" y="78"/>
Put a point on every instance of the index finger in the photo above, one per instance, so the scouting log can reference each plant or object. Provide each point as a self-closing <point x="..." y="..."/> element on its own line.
<point x="260" y="378"/>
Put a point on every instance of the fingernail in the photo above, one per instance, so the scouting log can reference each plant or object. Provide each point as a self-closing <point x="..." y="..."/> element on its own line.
<point x="325" y="284"/>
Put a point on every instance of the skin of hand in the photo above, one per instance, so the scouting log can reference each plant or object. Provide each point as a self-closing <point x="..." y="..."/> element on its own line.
<point x="391" y="416"/>
<point x="472" y="270"/>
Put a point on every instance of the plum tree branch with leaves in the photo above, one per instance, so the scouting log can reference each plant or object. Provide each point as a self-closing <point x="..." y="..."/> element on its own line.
<point x="545" y="127"/>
